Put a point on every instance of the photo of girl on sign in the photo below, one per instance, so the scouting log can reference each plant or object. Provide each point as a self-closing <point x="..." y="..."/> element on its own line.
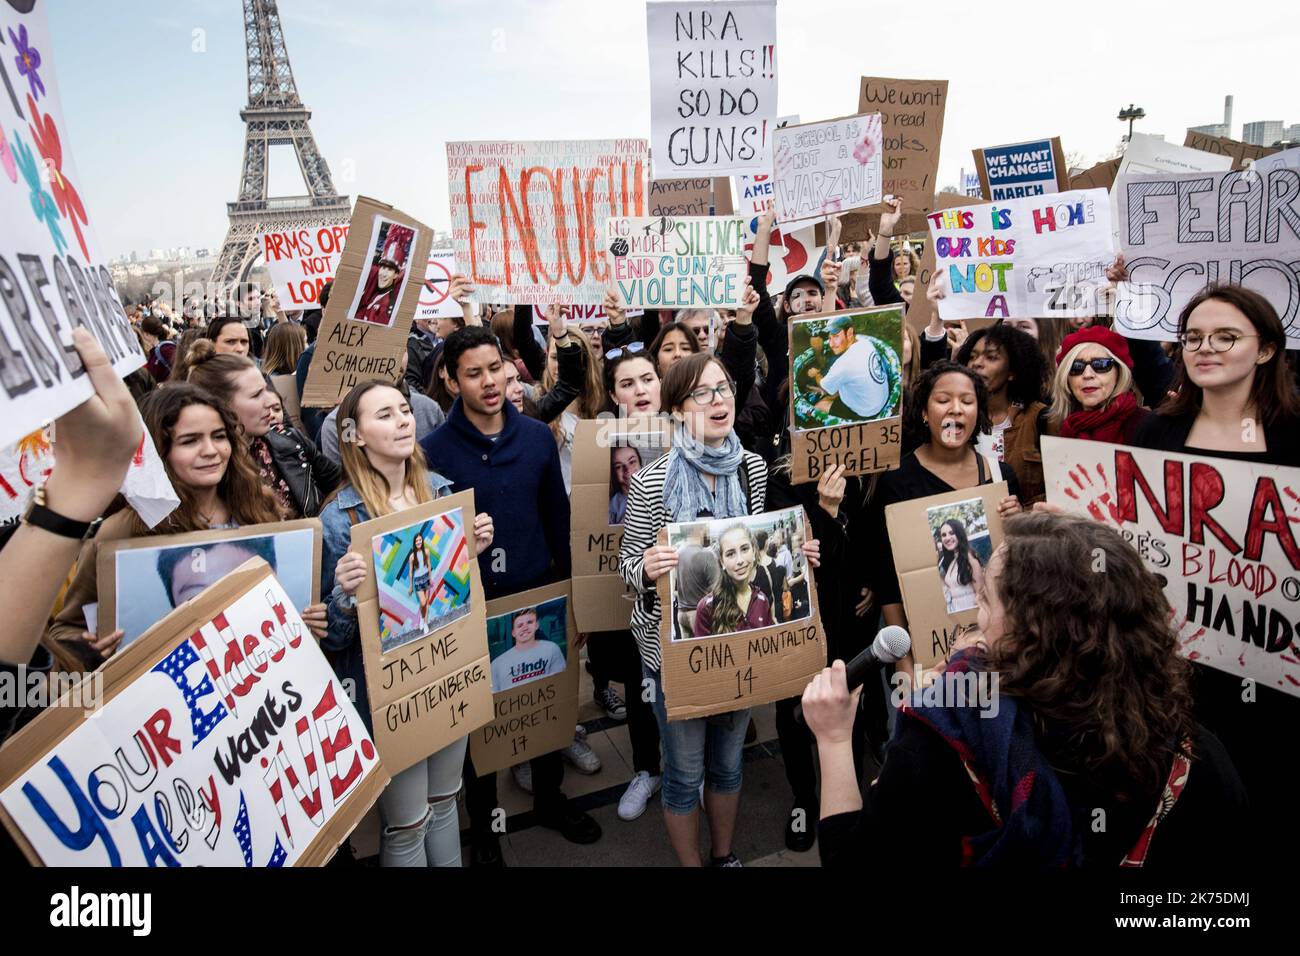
<point x="845" y="368"/>
<point x="728" y="570"/>
<point x="961" y="539"/>
<point x="422" y="575"/>
<point x="385" y="281"/>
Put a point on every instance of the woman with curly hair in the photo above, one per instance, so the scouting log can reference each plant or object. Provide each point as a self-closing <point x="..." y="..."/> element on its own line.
<point x="1060" y="735"/>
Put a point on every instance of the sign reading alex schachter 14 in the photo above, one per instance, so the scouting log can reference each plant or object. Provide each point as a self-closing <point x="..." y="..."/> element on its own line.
<point x="661" y="262"/>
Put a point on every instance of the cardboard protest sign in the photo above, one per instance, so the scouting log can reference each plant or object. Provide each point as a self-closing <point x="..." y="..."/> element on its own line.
<point x="911" y="118"/>
<point x="1180" y="234"/>
<point x="827" y="168"/>
<point x="941" y="546"/>
<point x="700" y="196"/>
<point x="363" y="329"/>
<point x="52" y="269"/>
<point x="1149" y="154"/>
<point x="1035" y="168"/>
<point x="1219" y="534"/>
<point x="1239" y="154"/>
<point x="141" y="580"/>
<point x="301" y="261"/>
<point x="435" y="301"/>
<point x="420" y="611"/>
<point x="606" y="454"/>
<point x="535" y="678"/>
<point x="528" y="219"/>
<point x="693" y="261"/>
<point x="736" y="633"/>
<point x="1024" y="258"/>
<point x="24" y="464"/>
<point x="846" y="385"/>
<point x="712" y="87"/>
<point x="1101" y="176"/>
<point x="224" y="739"/>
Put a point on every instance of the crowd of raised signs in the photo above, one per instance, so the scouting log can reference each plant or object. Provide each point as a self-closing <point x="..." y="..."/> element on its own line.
<point x="1100" y="715"/>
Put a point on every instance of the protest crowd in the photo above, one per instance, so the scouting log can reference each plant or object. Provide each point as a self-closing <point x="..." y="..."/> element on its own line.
<point x="1098" y="708"/>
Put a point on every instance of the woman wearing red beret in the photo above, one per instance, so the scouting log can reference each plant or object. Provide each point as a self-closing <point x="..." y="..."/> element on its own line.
<point x="1093" y="395"/>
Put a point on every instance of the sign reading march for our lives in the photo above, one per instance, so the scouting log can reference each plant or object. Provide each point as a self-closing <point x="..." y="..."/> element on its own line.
<point x="528" y="219"/>
<point x="1180" y="234"/>
<point x="1219" y="533"/>
<point x="302" y="261"/>
<point x="221" y="737"/>
<point x="1024" y="258"/>
<point x="828" y="167"/>
<point x="53" y="272"/>
<point x="1022" y="169"/>
<point x="694" y="261"/>
<point x="712" y="87"/>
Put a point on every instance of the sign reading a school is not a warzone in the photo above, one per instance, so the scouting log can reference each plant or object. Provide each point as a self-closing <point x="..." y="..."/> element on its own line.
<point x="1220" y="533"/>
<point x="53" y="271"/>
<point x="224" y="739"/>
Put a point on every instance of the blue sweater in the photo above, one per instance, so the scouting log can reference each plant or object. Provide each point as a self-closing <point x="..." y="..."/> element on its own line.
<point x="517" y="480"/>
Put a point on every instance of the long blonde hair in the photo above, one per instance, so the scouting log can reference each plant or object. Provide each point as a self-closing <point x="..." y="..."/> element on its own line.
<point x="1063" y="400"/>
<point x="591" y="401"/>
<point x="360" y="473"/>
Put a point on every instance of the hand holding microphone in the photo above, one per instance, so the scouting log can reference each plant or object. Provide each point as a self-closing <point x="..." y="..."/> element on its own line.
<point x="830" y="699"/>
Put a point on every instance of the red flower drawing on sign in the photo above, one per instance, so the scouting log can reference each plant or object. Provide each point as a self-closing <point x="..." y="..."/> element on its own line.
<point x="48" y="144"/>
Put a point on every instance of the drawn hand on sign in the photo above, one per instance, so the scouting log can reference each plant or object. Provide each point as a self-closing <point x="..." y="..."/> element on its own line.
<point x="1097" y="496"/>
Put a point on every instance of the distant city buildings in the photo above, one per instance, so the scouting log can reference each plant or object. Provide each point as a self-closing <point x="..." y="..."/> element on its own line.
<point x="1263" y="133"/>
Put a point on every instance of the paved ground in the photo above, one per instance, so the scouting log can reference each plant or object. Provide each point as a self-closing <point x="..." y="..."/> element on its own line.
<point x="760" y="834"/>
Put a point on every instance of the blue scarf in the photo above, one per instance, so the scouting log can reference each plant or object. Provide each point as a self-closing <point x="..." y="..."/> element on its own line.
<point x="686" y="493"/>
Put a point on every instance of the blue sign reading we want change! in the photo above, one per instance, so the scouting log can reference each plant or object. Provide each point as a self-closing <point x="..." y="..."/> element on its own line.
<point x="1021" y="169"/>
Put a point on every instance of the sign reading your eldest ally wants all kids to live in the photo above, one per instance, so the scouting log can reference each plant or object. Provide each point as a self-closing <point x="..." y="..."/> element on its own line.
<point x="420" y="613"/>
<point x="534" y="678"/>
<point x="846" y="384"/>
<point x="712" y="87"/>
<point x="52" y="268"/>
<point x="225" y="739"/>
<point x="528" y="219"/>
<point x="1024" y="258"/>
<point x="1219" y="533"/>
<point x="363" y="329"/>
<point x="674" y="263"/>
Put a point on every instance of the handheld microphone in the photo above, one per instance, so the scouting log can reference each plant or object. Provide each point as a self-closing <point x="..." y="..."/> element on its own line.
<point x="892" y="643"/>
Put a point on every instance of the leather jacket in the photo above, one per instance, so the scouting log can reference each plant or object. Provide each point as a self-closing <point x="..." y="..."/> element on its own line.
<point x="311" y="476"/>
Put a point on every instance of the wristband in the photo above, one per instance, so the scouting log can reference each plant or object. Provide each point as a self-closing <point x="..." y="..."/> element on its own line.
<point x="39" y="516"/>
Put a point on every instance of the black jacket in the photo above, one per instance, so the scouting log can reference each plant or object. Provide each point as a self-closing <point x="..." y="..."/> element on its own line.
<point x="309" y="474"/>
<point x="420" y="353"/>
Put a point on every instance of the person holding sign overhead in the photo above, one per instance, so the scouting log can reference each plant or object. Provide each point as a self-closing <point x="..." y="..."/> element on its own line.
<point x="385" y="472"/>
<point x="706" y="474"/>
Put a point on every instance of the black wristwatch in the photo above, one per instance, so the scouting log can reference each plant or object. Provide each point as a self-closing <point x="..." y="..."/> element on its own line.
<point x="40" y="516"/>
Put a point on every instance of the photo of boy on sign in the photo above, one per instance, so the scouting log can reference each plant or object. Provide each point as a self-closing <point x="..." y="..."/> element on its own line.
<point x="528" y="644"/>
<point x="846" y="369"/>
<point x="377" y="297"/>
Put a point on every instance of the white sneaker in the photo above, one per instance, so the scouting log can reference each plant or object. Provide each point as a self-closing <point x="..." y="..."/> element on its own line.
<point x="632" y="804"/>
<point x="580" y="754"/>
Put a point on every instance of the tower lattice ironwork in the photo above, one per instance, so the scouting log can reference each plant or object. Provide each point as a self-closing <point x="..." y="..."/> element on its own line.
<point x="274" y="116"/>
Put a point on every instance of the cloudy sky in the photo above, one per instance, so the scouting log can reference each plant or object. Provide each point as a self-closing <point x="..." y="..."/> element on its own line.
<point x="152" y="88"/>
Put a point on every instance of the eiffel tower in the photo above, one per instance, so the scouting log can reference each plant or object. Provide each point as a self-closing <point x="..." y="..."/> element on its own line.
<point x="274" y="116"/>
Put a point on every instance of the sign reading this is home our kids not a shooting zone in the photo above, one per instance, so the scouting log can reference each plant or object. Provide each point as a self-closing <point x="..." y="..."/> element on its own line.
<point x="1024" y="258"/>
<point x="673" y="263"/>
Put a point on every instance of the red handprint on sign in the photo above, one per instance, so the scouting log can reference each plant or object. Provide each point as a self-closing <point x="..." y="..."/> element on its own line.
<point x="1095" y="495"/>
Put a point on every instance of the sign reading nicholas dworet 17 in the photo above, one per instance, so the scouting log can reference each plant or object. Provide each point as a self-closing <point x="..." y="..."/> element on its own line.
<point x="1018" y="170"/>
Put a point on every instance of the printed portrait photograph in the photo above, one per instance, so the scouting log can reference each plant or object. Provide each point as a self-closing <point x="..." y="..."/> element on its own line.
<point x="846" y="369"/>
<point x="385" y="273"/>
<point x="151" y="582"/>
<point x="738" y="574"/>
<point x="528" y="644"/>
<point x="963" y="547"/>
<point x="624" y="463"/>
<point x="422" y="575"/>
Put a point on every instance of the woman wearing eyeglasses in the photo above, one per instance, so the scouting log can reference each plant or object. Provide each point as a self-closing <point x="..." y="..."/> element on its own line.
<point x="1093" y="395"/>
<point x="706" y="474"/>
<point x="1234" y="397"/>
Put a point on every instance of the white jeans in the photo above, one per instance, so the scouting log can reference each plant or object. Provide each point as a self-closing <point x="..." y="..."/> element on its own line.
<point x="418" y="810"/>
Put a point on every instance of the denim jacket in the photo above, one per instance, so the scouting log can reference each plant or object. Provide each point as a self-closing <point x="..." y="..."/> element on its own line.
<point x="341" y="636"/>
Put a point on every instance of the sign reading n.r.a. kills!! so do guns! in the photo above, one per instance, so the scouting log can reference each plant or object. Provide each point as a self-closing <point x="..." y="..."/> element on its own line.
<point x="1219" y="534"/>
<point x="1024" y="258"/>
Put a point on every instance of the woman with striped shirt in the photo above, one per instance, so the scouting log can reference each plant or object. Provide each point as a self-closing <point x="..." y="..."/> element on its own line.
<point x="706" y="475"/>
